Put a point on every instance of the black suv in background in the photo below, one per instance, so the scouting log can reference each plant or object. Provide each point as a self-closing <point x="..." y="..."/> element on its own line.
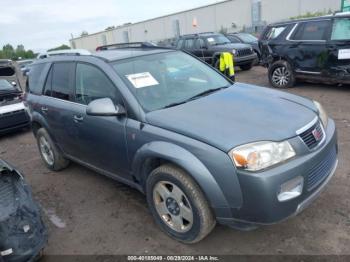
<point x="246" y="39"/>
<point x="316" y="49"/>
<point x="209" y="46"/>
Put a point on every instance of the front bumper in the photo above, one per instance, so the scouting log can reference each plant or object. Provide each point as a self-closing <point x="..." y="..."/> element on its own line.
<point x="260" y="204"/>
<point x="244" y="60"/>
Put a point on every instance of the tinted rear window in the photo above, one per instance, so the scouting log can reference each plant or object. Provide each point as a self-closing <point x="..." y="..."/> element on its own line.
<point x="314" y="30"/>
<point x="35" y="83"/>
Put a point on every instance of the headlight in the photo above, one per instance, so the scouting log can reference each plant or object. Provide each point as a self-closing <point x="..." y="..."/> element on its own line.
<point x="260" y="155"/>
<point x="234" y="51"/>
<point x="322" y="113"/>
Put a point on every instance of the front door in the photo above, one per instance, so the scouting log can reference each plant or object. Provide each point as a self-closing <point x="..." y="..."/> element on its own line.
<point x="100" y="140"/>
<point x="339" y="49"/>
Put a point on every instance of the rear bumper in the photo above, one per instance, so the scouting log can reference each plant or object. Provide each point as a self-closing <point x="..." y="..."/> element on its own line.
<point x="260" y="203"/>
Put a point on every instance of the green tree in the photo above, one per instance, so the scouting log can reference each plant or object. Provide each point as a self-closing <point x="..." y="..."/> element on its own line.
<point x="110" y="28"/>
<point x="9" y="52"/>
<point x="61" y="47"/>
<point x="84" y="33"/>
<point x="29" y="54"/>
<point x="20" y="52"/>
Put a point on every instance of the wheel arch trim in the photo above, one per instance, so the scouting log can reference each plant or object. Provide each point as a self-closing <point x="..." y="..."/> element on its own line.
<point x="184" y="159"/>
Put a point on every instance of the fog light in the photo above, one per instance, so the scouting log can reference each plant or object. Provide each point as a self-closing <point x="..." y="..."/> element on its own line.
<point x="291" y="189"/>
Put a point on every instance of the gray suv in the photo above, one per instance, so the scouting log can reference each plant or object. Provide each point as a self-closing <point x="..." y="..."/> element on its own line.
<point x="202" y="149"/>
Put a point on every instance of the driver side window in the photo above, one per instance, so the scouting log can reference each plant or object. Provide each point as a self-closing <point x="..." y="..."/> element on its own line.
<point x="92" y="84"/>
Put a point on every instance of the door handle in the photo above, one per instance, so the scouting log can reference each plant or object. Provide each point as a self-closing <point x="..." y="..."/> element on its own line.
<point x="78" y="119"/>
<point x="44" y="109"/>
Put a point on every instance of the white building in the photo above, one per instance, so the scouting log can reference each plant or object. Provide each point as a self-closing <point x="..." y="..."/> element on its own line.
<point x="230" y="16"/>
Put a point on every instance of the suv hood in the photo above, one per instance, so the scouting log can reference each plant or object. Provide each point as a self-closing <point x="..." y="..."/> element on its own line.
<point x="237" y="115"/>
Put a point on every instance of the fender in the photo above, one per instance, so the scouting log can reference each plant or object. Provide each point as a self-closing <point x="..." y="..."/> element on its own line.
<point x="184" y="159"/>
<point x="38" y="118"/>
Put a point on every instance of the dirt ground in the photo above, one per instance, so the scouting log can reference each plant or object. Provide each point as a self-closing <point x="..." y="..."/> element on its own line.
<point x="87" y="213"/>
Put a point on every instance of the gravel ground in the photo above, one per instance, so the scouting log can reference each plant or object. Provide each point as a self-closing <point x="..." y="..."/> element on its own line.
<point x="87" y="213"/>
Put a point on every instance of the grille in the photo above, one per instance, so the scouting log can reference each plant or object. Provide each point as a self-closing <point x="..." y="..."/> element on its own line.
<point x="244" y="52"/>
<point x="322" y="170"/>
<point x="309" y="137"/>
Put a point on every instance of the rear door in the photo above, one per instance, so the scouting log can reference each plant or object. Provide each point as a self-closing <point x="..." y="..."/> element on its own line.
<point x="56" y="105"/>
<point x="339" y="48"/>
<point x="308" y="48"/>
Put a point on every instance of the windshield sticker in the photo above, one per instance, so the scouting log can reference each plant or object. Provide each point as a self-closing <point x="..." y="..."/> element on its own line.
<point x="210" y="39"/>
<point x="141" y="80"/>
<point x="344" y="54"/>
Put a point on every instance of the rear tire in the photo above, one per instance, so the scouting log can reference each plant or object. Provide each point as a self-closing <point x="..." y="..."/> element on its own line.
<point x="49" y="153"/>
<point x="178" y="205"/>
<point x="281" y="75"/>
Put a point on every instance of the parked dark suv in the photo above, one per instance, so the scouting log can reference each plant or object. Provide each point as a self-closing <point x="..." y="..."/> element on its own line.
<point x="246" y="39"/>
<point x="201" y="148"/>
<point x="209" y="46"/>
<point x="316" y="49"/>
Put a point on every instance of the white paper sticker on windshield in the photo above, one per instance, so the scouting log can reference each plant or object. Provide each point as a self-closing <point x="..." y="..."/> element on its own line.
<point x="344" y="54"/>
<point x="142" y="80"/>
<point x="210" y="39"/>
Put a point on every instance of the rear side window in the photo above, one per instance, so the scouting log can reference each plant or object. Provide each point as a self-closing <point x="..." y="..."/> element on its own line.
<point x="274" y="32"/>
<point x="62" y="80"/>
<point x="35" y="82"/>
<point x="312" y="31"/>
<point x="341" y="29"/>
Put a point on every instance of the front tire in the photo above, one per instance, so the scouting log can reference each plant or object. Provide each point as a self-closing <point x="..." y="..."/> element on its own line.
<point x="281" y="75"/>
<point x="49" y="153"/>
<point x="178" y="205"/>
<point x="246" y="67"/>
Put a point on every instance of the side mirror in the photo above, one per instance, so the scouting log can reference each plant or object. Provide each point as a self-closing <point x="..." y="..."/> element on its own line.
<point x="104" y="107"/>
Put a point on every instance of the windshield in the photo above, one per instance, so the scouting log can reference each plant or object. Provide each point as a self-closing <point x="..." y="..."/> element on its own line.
<point x="161" y="80"/>
<point x="248" y="38"/>
<point x="218" y="40"/>
<point x="6" y="86"/>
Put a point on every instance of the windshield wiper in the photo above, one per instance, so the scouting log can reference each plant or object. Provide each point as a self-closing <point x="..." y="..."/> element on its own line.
<point x="207" y="92"/>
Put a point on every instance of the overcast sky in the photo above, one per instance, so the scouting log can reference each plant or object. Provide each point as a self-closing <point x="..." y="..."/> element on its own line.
<point x="43" y="24"/>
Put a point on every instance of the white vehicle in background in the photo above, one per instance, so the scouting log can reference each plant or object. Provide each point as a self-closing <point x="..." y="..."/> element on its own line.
<point x="13" y="114"/>
<point x="63" y="52"/>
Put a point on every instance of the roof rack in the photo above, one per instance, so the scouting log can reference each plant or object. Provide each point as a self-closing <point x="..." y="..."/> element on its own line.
<point x="197" y="34"/>
<point x="127" y="45"/>
<point x="68" y="52"/>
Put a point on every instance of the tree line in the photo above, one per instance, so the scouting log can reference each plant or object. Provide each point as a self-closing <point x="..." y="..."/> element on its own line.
<point x="9" y="52"/>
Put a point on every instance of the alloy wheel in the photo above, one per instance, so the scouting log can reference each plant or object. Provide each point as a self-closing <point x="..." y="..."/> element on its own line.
<point x="172" y="206"/>
<point x="46" y="151"/>
<point x="281" y="76"/>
